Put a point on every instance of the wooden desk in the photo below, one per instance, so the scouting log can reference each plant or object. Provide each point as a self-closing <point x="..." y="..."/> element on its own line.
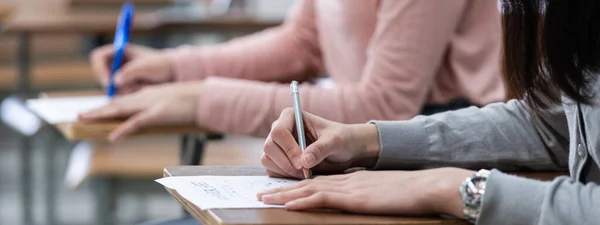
<point x="38" y="18"/>
<point x="74" y="73"/>
<point x="58" y="18"/>
<point x="279" y="216"/>
<point x="76" y="3"/>
<point x="101" y="130"/>
<point x="44" y="18"/>
<point x="178" y="18"/>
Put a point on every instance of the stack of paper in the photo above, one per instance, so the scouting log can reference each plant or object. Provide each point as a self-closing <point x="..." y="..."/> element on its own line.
<point x="210" y="192"/>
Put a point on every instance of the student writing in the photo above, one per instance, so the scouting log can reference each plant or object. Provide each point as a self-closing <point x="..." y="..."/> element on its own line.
<point x="388" y="59"/>
<point x="551" y="60"/>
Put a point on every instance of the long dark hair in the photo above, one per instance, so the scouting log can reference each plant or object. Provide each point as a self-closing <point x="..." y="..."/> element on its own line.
<point x="551" y="47"/>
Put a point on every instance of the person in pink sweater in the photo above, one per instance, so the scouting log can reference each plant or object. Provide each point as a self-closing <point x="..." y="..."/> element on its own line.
<point x="387" y="58"/>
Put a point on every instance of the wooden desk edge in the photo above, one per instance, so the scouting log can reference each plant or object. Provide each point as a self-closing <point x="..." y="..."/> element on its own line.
<point x="188" y="206"/>
<point x="79" y="131"/>
<point x="209" y="218"/>
<point x="198" y="214"/>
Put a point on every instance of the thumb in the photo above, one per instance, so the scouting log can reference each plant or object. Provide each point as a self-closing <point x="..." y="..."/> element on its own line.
<point x="314" y="154"/>
<point x="133" y="124"/>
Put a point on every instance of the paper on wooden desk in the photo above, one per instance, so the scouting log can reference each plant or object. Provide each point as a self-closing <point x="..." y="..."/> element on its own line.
<point x="65" y="110"/>
<point x="211" y="192"/>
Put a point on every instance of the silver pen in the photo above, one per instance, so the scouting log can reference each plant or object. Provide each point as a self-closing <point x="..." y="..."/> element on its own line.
<point x="299" y="122"/>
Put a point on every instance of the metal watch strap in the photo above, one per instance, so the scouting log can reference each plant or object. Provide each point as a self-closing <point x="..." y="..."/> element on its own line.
<point x="472" y="191"/>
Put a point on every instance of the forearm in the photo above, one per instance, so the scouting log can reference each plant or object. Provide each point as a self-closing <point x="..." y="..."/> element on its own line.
<point x="249" y="107"/>
<point x="289" y="51"/>
<point x="272" y="55"/>
<point x="500" y="135"/>
<point x="514" y="200"/>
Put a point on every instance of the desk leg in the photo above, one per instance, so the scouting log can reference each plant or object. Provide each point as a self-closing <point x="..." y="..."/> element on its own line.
<point x="192" y="148"/>
<point x="105" y="189"/>
<point x="51" y="191"/>
<point x="23" y="89"/>
<point x="27" y="193"/>
<point x="24" y="64"/>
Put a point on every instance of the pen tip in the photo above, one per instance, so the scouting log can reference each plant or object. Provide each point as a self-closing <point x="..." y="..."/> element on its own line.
<point x="307" y="174"/>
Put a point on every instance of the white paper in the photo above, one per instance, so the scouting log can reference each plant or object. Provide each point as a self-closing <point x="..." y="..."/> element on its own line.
<point x="211" y="192"/>
<point x="65" y="110"/>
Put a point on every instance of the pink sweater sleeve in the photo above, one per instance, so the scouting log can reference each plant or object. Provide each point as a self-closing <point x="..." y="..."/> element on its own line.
<point x="403" y="57"/>
<point x="262" y="56"/>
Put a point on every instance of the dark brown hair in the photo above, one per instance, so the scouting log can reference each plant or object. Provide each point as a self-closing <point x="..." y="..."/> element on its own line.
<point x="551" y="47"/>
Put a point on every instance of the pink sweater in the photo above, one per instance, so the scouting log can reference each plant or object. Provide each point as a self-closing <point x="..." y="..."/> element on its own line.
<point x="388" y="58"/>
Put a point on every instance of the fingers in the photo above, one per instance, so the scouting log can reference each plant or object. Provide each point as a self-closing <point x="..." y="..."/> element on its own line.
<point x="316" y="152"/>
<point x="288" y="188"/>
<point x="325" y="179"/>
<point x="279" y="158"/>
<point x="274" y="174"/>
<point x="152" y="69"/>
<point x="284" y="138"/>
<point x="133" y="124"/>
<point x="100" y="59"/>
<point x="273" y="168"/>
<point x="309" y="195"/>
<point x="132" y="74"/>
<point x="331" y="200"/>
<point x="282" y="135"/>
<point x="118" y="108"/>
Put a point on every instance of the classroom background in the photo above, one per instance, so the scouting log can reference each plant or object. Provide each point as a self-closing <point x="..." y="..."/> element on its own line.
<point x="44" y="47"/>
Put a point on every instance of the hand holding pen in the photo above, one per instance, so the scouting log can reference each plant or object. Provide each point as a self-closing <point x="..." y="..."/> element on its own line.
<point x="333" y="149"/>
<point x="299" y="122"/>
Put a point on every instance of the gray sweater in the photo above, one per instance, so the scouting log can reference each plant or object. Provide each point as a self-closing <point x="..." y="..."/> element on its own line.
<point x="508" y="137"/>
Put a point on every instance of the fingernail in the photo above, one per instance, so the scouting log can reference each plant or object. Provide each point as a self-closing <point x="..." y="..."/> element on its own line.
<point x="297" y="163"/>
<point x="309" y="159"/>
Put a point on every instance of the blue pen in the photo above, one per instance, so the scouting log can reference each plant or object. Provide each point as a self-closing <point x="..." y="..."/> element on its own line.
<point x="120" y="42"/>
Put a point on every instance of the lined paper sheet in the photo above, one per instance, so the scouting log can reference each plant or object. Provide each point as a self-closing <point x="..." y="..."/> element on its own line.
<point x="211" y="192"/>
<point x="64" y="110"/>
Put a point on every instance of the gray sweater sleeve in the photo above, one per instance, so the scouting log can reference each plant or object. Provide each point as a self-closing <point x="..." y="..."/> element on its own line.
<point x="498" y="136"/>
<point x="506" y="136"/>
<point x="515" y="200"/>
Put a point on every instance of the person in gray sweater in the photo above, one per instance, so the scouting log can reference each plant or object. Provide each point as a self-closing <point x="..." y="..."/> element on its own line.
<point x="551" y="61"/>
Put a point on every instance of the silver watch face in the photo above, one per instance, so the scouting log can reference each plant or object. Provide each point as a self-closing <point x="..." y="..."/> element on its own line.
<point x="472" y="191"/>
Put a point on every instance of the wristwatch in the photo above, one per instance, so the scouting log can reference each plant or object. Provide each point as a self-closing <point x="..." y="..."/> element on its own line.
<point x="472" y="191"/>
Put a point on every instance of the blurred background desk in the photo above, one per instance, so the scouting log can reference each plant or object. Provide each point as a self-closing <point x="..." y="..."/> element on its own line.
<point x="45" y="47"/>
<point x="99" y="24"/>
